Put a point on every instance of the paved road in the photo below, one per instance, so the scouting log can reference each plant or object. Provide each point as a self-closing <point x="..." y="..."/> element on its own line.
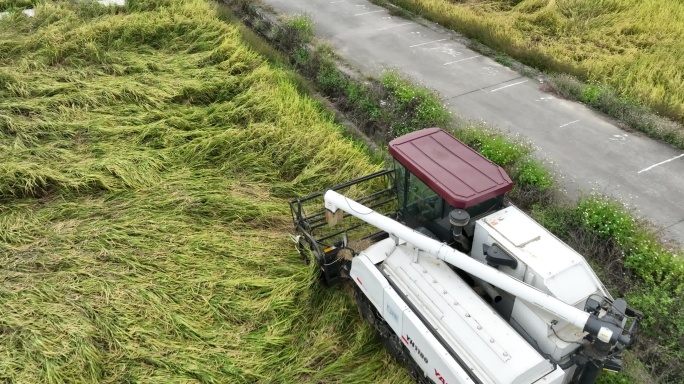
<point x="590" y="151"/>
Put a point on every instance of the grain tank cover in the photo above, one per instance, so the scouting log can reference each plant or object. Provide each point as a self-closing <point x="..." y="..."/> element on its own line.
<point x="455" y="171"/>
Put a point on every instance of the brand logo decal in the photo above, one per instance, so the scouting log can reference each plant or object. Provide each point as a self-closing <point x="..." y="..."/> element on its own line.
<point x="392" y="313"/>
<point x="410" y="342"/>
<point x="440" y="377"/>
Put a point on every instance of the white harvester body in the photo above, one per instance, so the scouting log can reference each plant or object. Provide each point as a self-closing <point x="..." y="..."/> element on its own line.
<point x="462" y="287"/>
<point x="487" y="346"/>
<point x="449" y="330"/>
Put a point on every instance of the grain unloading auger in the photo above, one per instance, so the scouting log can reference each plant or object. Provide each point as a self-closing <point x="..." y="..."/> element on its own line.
<point x="462" y="287"/>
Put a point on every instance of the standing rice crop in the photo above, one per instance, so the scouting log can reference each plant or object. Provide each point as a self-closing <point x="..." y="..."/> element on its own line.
<point x="634" y="46"/>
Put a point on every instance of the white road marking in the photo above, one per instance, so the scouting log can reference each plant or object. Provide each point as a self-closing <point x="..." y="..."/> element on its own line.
<point x="509" y="85"/>
<point x="619" y="137"/>
<point x="338" y="1"/>
<point x="565" y="125"/>
<point x="449" y="51"/>
<point x="394" y="26"/>
<point x="661" y="163"/>
<point x="429" y="42"/>
<point x="489" y="71"/>
<point x="458" y="61"/>
<point x="368" y="13"/>
<point x="545" y="98"/>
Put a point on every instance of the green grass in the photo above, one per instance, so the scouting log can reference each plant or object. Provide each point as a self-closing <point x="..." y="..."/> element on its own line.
<point x="415" y="107"/>
<point x="8" y="5"/>
<point x="147" y="159"/>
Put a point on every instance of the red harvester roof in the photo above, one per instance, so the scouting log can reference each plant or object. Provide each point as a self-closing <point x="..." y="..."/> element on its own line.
<point x="455" y="171"/>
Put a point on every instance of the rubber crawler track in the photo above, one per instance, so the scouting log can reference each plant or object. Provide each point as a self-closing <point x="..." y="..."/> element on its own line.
<point x="390" y="340"/>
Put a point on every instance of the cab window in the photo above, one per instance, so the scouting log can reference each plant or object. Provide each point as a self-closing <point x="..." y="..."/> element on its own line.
<point x="416" y="198"/>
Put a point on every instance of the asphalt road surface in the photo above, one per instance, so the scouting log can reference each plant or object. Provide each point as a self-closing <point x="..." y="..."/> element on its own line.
<point x="587" y="148"/>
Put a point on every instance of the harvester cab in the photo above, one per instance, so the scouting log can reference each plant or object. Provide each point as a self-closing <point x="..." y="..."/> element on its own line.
<point x="440" y="201"/>
<point x="442" y="185"/>
<point x="461" y="286"/>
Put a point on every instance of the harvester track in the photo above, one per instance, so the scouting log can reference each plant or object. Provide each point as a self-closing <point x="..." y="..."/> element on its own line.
<point x="390" y="340"/>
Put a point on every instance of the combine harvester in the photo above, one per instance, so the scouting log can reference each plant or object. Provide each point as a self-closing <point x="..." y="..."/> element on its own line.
<point x="462" y="286"/>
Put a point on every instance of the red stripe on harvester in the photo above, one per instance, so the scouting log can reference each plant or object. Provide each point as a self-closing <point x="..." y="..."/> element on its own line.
<point x="405" y="341"/>
<point x="359" y="280"/>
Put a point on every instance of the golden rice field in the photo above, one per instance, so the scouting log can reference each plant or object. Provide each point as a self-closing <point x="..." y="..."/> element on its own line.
<point x="635" y="46"/>
<point x="147" y="157"/>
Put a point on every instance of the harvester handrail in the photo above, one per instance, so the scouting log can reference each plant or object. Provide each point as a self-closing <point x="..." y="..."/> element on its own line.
<point x="347" y="184"/>
<point x="309" y="223"/>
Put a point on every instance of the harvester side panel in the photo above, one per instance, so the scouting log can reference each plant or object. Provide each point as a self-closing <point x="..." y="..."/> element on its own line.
<point x="393" y="308"/>
<point x="419" y="342"/>
<point x="371" y="282"/>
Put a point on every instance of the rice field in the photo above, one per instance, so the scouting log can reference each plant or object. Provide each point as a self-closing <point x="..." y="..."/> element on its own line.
<point x="635" y="46"/>
<point x="147" y="157"/>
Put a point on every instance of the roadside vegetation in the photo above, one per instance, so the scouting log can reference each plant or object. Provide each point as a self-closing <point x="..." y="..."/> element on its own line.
<point x="622" y="58"/>
<point x="148" y="156"/>
<point x="627" y="253"/>
<point x="8" y="5"/>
